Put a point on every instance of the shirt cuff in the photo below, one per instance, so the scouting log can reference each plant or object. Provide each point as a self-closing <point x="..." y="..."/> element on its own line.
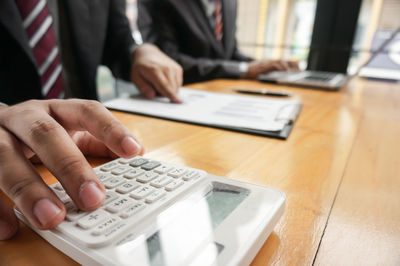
<point x="3" y="104"/>
<point x="133" y="48"/>
<point x="235" y="69"/>
<point x="243" y="68"/>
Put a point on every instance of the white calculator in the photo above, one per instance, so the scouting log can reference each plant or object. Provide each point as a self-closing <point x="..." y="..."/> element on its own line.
<point x="158" y="214"/>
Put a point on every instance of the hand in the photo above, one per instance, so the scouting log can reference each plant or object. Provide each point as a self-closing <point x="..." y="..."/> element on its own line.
<point x="155" y="73"/>
<point x="58" y="132"/>
<point x="264" y="66"/>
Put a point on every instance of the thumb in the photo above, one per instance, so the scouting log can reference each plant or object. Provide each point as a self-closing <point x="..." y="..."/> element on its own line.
<point x="8" y="222"/>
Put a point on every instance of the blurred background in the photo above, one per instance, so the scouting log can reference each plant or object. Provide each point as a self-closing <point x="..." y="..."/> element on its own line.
<point x="282" y="29"/>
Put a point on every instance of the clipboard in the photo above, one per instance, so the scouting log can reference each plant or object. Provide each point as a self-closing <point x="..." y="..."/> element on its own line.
<point x="242" y="113"/>
<point x="280" y="134"/>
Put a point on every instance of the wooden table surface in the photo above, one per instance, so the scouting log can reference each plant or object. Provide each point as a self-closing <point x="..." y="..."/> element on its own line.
<point x="340" y="170"/>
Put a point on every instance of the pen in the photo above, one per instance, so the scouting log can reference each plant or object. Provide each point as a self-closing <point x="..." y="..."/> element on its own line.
<point x="264" y="92"/>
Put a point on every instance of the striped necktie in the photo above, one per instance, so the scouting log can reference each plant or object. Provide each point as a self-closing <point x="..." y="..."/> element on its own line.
<point x="218" y="20"/>
<point x="38" y="25"/>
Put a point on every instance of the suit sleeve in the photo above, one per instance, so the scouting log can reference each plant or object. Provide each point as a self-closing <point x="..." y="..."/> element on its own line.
<point x="156" y="26"/>
<point x="119" y="44"/>
<point x="202" y="69"/>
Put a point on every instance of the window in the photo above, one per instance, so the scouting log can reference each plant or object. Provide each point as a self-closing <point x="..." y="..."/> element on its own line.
<point x="282" y="29"/>
<point x="276" y="29"/>
<point x="374" y="15"/>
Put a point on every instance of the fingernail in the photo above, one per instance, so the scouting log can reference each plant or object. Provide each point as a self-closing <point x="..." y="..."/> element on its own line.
<point x="45" y="211"/>
<point x="130" y="146"/>
<point x="176" y="99"/>
<point x="91" y="195"/>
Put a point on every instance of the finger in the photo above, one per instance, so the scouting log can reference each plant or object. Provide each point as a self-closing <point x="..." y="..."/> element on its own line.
<point x="170" y="74"/>
<point x="144" y="87"/>
<point x="163" y="84"/>
<point x="91" y="146"/>
<point x="35" y="159"/>
<point x="285" y="65"/>
<point x="294" y="65"/>
<point x="61" y="156"/>
<point x="158" y="79"/>
<point x="92" y="116"/>
<point x="23" y="185"/>
<point x="278" y="66"/>
<point x="178" y="75"/>
<point x="270" y="66"/>
<point x="8" y="222"/>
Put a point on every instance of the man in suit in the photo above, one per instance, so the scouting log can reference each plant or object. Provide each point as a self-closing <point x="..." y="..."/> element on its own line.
<point x="200" y="35"/>
<point x="51" y="49"/>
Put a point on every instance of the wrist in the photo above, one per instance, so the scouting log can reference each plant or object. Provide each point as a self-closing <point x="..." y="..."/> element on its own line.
<point x="251" y="70"/>
<point x="135" y="49"/>
<point x="143" y="49"/>
<point x="144" y="46"/>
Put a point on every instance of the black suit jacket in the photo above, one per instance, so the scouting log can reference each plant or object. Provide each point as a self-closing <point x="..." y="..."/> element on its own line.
<point x="100" y="34"/>
<point x="182" y="30"/>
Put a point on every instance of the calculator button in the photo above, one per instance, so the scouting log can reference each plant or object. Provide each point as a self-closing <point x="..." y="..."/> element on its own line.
<point x="120" y="170"/>
<point x="133" y="173"/>
<point x="127" y="187"/>
<point x="156" y="195"/>
<point x="103" y="176"/>
<point x="174" y="185"/>
<point x="138" y="162"/>
<point x="109" y="166"/>
<point x="146" y="177"/>
<point x="142" y="192"/>
<point x="125" y="160"/>
<point x="113" y="182"/>
<point x="110" y="196"/>
<point x="178" y="172"/>
<point x="93" y="219"/>
<point x="119" y="213"/>
<point x="150" y="165"/>
<point x="73" y="213"/>
<point x="112" y="233"/>
<point x="163" y="169"/>
<point x="161" y="181"/>
<point x="104" y="226"/>
<point x="190" y="175"/>
<point x="128" y="212"/>
<point x="119" y="204"/>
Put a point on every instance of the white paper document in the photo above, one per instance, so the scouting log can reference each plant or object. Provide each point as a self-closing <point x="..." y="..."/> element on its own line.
<point x="215" y="109"/>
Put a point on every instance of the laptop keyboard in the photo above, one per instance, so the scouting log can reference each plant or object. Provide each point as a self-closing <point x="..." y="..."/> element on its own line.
<point x="320" y="77"/>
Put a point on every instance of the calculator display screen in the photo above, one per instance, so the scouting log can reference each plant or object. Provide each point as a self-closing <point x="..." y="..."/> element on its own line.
<point x="222" y="200"/>
<point x="207" y="214"/>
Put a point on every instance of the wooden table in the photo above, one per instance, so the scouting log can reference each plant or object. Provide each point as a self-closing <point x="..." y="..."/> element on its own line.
<point x="340" y="169"/>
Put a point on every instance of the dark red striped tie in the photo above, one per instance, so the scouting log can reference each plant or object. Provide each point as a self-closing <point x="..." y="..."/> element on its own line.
<point x="38" y="25"/>
<point x="218" y="20"/>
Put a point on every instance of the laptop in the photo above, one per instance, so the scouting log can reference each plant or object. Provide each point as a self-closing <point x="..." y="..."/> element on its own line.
<point x="382" y="64"/>
<point x="386" y="63"/>
<point x="313" y="79"/>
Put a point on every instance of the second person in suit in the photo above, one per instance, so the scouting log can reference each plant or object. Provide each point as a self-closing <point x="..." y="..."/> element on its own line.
<point x="200" y="36"/>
